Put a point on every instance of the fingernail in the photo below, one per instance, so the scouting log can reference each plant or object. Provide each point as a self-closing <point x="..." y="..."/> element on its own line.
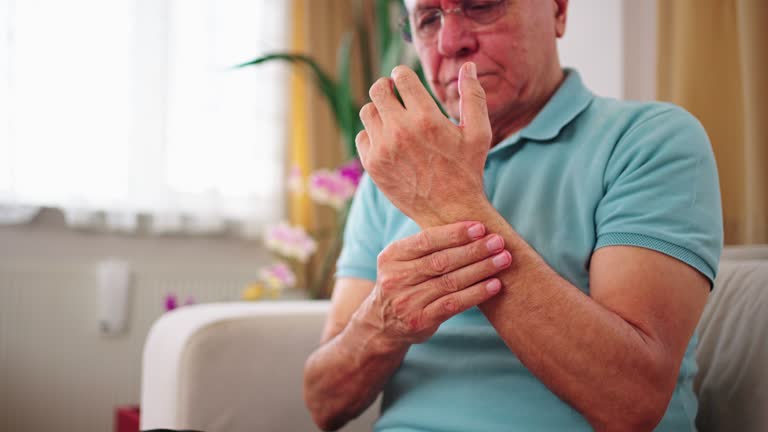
<point x="476" y="231"/>
<point x="502" y="260"/>
<point x="494" y="244"/>
<point x="493" y="286"/>
<point x="472" y="70"/>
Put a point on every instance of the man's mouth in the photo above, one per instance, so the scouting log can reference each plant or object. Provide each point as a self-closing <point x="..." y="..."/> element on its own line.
<point x="455" y="81"/>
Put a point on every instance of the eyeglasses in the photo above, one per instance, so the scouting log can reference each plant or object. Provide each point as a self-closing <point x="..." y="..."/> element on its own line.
<point x="428" y="21"/>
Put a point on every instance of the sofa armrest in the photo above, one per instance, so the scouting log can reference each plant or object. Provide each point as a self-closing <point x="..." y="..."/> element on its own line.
<point x="233" y="367"/>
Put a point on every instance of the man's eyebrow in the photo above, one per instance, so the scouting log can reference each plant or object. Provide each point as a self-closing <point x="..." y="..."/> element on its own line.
<point x="423" y="7"/>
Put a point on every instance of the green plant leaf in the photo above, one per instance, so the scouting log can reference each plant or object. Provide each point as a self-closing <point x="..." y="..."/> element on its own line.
<point x="383" y="28"/>
<point x="327" y="86"/>
<point x="345" y="104"/>
<point x="361" y="28"/>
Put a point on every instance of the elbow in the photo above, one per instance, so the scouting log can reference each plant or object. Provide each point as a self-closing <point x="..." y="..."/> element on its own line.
<point x="327" y="420"/>
<point x="328" y="424"/>
<point x="322" y="413"/>
<point x="324" y="421"/>
<point x="639" y="419"/>
<point x="643" y="403"/>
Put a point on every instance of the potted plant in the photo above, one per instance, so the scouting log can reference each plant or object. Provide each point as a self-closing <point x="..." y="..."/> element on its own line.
<point x="328" y="187"/>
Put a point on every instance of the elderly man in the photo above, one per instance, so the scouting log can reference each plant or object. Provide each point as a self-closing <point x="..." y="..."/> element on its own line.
<point x="539" y="263"/>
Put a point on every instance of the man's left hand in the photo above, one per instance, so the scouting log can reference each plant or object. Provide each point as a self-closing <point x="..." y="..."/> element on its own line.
<point x="429" y="167"/>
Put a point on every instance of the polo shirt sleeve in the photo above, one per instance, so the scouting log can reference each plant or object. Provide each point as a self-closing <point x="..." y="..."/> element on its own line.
<point x="363" y="234"/>
<point x="662" y="191"/>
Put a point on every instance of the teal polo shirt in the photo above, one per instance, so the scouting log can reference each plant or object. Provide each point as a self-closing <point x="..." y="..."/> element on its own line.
<point x="586" y="173"/>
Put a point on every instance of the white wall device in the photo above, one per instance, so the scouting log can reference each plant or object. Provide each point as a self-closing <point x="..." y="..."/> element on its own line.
<point x="114" y="281"/>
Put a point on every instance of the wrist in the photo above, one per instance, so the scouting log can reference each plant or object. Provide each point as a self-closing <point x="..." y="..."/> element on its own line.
<point x="475" y="208"/>
<point x="465" y="209"/>
<point x="365" y="333"/>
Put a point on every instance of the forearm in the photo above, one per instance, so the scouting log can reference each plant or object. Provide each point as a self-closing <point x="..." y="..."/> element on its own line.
<point x="605" y="367"/>
<point x="346" y="374"/>
<point x="589" y="356"/>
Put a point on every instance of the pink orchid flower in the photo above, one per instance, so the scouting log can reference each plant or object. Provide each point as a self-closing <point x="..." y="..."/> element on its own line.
<point x="290" y="241"/>
<point x="278" y="276"/>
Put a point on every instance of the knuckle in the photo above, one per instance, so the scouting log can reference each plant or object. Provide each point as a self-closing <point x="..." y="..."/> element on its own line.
<point x="366" y="111"/>
<point x="447" y="283"/>
<point x="451" y="306"/>
<point x="423" y="241"/>
<point x="390" y="253"/>
<point x="483" y="137"/>
<point x="400" y="135"/>
<point x="438" y="263"/>
<point x="457" y="236"/>
<point x="402" y="75"/>
<point x="383" y="258"/>
<point x="379" y="89"/>
<point x="415" y="323"/>
<point x="387" y="283"/>
<point x="361" y="137"/>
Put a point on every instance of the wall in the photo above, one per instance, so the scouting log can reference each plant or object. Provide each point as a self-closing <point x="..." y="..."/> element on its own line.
<point x="613" y="45"/>
<point x="57" y="371"/>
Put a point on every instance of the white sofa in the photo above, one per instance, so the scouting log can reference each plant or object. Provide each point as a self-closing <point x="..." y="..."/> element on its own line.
<point x="235" y="367"/>
<point x="232" y="367"/>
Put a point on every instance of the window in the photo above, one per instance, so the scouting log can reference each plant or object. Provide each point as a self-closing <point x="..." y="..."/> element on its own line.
<point x="131" y="107"/>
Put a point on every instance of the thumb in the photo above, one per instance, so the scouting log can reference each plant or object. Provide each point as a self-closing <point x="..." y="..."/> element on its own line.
<point x="473" y="108"/>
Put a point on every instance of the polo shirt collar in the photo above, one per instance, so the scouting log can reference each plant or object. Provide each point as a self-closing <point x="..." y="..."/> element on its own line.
<point x="570" y="99"/>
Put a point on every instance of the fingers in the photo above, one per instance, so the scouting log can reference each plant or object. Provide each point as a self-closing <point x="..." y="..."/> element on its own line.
<point x="473" y="107"/>
<point x="456" y="281"/>
<point x="369" y="115"/>
<point x="412" y="91"/>
<point x="363" y="145"/>
<point x="433" y="239"/>
<point x="383" y="97"/>
<point x="448" y="260"/>
<point x="446" y="307"/>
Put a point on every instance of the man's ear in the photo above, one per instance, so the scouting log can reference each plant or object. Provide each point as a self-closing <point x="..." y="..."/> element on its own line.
<point x="561" y="15"/>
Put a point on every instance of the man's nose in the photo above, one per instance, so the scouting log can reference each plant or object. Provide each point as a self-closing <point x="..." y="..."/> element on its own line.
<point x="455" y="38"/>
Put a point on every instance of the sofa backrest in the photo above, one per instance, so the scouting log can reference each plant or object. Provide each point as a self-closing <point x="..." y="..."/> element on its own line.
<point x="732" y="383"/>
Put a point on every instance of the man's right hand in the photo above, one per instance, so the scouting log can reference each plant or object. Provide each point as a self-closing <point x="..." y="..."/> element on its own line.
<point x="422" y="281"/>
<point x="425" y="279"/>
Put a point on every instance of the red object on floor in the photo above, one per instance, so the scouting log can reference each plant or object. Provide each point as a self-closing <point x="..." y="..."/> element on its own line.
<point x="127" y="418"/>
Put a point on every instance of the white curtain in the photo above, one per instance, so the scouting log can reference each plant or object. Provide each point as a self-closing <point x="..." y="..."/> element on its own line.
<point x="114" y="109"/>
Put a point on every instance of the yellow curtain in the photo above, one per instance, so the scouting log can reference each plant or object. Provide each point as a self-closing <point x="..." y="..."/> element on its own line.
<point x="315" y="140"/>
<point x="318" y="27"/>
<point x="713" y="61"/>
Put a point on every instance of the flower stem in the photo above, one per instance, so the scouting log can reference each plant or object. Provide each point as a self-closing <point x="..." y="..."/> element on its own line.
<point x="319" y="288"/>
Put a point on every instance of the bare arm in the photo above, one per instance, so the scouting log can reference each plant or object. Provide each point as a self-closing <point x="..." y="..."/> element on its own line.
<point x="422" y="281"/>
<point x="346" y="373"/>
